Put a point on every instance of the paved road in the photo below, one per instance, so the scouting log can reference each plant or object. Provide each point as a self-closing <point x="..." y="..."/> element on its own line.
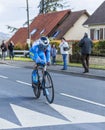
<point x="79" y="102"/>
<point x="94" y="73"/>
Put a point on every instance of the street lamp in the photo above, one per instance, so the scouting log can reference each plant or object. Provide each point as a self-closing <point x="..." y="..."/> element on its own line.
<point x="28" y="27"/>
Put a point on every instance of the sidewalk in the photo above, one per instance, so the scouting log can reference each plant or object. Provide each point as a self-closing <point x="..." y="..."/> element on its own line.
<point x="93" y="73"/>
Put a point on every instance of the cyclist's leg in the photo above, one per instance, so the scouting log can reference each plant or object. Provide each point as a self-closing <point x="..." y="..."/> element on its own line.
<point x="35" y="85"/>
<point x="35" y="76"/>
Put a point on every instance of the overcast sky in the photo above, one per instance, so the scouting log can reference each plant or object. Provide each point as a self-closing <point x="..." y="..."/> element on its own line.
<point x="13" y="12"/>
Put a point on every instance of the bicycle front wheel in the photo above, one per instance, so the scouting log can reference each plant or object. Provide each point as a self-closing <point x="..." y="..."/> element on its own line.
<point x="49" y="88"/>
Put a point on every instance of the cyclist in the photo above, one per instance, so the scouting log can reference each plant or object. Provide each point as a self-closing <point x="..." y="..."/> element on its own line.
<point x="40" y="51"/>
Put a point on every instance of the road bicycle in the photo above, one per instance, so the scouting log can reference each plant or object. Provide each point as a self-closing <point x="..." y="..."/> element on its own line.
<point x="44" y="83"/>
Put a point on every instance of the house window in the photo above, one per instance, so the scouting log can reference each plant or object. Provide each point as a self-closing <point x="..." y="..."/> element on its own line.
<point x="33" y="31"/>
<point x="101" y="33"/>
<point x="104" y="33"/>
<point x="97" y="34"/>
<point x="92" y="32"/>
<point x="42" y="31"/>
<point x="56" y="33"/>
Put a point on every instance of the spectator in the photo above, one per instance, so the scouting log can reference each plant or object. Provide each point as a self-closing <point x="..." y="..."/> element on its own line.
<point x="11" y="48"/>
<point x="86" y="45"/>
<point x="4" y="50"/>
<point x="64" y="47"/>
<point x="53" y="54"/>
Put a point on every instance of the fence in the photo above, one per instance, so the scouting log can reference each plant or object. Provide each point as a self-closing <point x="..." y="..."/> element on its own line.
<point x="96" y="60"/>
<point x="21" y="53"/>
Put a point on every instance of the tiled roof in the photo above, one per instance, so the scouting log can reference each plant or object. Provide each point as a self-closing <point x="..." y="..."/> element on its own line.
<point x="70" y="21"/>
<point x="47" y="22"/>
<point x="98" y="17"/>
<point x="42" y="22"/>
<point x="20" y="36"/>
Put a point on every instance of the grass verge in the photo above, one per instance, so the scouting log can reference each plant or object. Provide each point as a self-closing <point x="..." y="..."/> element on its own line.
<point x="60" y="63"/>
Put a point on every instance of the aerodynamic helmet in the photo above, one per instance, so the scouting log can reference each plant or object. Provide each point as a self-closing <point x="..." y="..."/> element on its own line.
<point x="44" y="42"/>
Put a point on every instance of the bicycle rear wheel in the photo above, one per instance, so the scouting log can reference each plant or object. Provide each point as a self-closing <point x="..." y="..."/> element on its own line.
<point x="48" y="87"/>
<point x="36" y="87"/>
<point x="36" y="90"/>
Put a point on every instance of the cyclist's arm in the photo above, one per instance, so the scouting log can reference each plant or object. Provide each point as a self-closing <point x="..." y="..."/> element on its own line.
<point x="34" y="53"/>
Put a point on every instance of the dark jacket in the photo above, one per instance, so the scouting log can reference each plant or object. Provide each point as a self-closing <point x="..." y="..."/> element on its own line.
<point x="3" y="47"/>
<point x="86" y="45"/>
<point x="10" y="47"/>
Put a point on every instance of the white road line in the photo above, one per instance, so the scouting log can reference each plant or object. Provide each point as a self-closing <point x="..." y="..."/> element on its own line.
<point x="30" y="118"/>
<point x="84" y="100"/>
<point x="1" y="76"/>
<point x="5" y="124"/>
<point x="77" y="116"/>
<point x="23" y="82"/>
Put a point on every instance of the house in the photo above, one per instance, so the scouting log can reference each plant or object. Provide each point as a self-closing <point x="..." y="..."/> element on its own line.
<point x="20" y="36"/>
<point x="72" y="27"/>
<point x="96" y="23"/>
<point x="59" y="24"/>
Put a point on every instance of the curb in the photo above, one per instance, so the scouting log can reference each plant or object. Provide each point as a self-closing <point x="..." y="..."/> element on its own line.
<point x="79" y="74"/>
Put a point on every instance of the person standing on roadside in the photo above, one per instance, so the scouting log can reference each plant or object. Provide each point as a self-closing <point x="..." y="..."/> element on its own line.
<point x="11" y="48"/>
<point x="53" y="54"/>
<point x="64" y="47"/>
<point x="4" y="50"/>
<point x="86" y="45"/>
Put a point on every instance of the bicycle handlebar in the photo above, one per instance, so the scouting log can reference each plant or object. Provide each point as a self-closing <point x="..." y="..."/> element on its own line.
<point x="44" y="66"/>
<point x="39" y="64"/>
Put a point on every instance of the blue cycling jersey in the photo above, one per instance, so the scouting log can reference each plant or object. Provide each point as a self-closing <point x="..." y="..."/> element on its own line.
<point x="39" y="55"/>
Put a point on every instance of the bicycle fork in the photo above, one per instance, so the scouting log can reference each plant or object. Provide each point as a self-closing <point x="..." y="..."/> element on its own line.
<point x="45" y="90"/>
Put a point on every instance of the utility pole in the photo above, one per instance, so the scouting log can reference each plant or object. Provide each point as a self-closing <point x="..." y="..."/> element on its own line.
<point x="28" y="27"/>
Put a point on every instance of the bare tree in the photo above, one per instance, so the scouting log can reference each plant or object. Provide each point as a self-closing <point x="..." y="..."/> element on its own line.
<point x="46" y="6"/>
<point x="12" y="29"/>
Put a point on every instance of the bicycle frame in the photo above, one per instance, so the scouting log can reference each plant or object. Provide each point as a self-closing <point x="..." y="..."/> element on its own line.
<point x="43" y="68"/>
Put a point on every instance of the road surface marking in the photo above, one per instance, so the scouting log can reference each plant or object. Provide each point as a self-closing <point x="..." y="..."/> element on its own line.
<point x="84" y="100"/>
<point x="4" y="124"/>
<point x="23" y="82"/>
<point x="77" y="116"/>
<point x="29" y="118"/>
<point x="1" y="76"/>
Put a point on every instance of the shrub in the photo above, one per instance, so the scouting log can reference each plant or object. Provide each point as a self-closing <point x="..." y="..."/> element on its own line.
<point x="98" y="48"/>
<point x="56" y="42"/>
<point x="75" y="47"/>
<point x="20" y="46"/>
